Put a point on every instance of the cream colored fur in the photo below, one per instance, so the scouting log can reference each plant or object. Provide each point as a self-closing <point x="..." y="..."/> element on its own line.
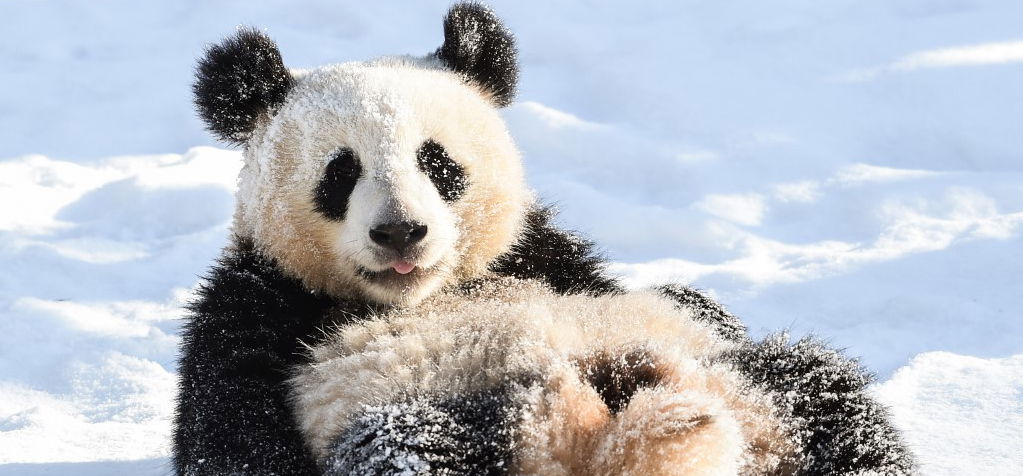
<point x="383" y="110"/>
<point x="701" y="419"/>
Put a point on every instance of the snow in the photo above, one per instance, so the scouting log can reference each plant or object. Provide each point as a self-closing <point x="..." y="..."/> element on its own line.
<point x="972" y="55"/>
<point x="848" y="168"/>
<point x="947" y="402"/>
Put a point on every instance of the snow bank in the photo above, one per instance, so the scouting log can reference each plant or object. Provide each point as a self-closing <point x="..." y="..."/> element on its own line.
<point x="98" y="259"/>
<point x="962" y="415"/>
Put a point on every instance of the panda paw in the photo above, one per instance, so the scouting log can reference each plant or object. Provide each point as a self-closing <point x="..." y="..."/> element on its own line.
<point x="464" y="434"/>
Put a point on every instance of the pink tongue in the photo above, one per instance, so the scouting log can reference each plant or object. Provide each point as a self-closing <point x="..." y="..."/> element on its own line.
<point x="403" y="267"/>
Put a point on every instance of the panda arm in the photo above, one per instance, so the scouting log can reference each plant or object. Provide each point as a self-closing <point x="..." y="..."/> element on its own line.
<point x="839" y="426"/>
<point x="232" y="412"/>
<point x="452" y="434"/>
<point x="571" y="264"/>
<point x="566" y="262"/>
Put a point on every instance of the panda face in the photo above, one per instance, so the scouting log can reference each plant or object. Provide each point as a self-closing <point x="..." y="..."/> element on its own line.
<point x="390" y="178"/>
<point x="384" y="179"/>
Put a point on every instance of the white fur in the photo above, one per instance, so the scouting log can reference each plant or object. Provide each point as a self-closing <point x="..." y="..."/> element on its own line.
<point x="701" y="419"/>
<point x="383" y="110"/>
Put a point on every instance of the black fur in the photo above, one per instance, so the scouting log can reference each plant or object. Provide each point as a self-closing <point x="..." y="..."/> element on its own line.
<point x="239" y="80"/>
<point x="564" y="261"/>
<point x="839" y="426"/>
<point x="237" y="348"/>
<point x="477" y="45"/>
<point x="618" y="377"/>
<point x="447" y="434"/>
<point x="336" y="185"/>
<point x="446" y="174"/>
<point x="706" y="310"/>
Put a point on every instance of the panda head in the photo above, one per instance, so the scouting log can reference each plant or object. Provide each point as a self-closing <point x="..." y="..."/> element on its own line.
<point x="382" y="180"/>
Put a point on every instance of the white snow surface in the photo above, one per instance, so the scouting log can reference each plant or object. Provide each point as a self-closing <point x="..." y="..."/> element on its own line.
<point x="849" y="168"/>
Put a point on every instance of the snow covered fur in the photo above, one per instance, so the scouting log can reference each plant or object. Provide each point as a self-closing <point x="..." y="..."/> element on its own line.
<point x="394" y="301"/>
<point x="616" y="384"/>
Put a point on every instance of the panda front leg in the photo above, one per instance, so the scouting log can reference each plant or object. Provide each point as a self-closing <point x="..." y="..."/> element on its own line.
<point x="838" y="425"/>
<point x="841" y="429"/>
<point x="467" y="434"/>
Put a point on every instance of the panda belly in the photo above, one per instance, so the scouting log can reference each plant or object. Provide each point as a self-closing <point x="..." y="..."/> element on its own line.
<point x="511" y="378"/>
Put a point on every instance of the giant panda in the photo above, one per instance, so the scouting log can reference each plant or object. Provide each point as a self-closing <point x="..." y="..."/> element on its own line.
<point x="387" y="198"/>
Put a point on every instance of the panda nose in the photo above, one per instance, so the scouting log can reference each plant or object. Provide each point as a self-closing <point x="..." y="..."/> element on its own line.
<point x="397" y="236"/>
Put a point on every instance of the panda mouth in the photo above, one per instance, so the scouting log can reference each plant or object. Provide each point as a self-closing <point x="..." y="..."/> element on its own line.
<point x="403" y="267"/>
<point x="400" y="272"/>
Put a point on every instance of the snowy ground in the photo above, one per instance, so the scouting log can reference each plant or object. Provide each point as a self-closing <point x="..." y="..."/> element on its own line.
<point x="850" y="168"/>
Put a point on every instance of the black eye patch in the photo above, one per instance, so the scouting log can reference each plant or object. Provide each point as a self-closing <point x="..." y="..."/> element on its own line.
<point x="445" y="173"/>
<point x="331" y="196"/>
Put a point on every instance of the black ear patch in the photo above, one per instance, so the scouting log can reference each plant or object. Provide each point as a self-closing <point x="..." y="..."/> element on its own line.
<point x="446" y="174"/>
<point x="336" y="185"/>
<point x="477" y="45"/>
<point x="239" y="79"/>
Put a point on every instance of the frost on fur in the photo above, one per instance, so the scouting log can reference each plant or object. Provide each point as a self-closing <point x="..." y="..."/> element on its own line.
<point x="239" y="80"/>
<point x="477" y="45"/>
<point x="841" y="429"/>
<point x="633" y="383"/>
<point x="444" y="434"/>
<point x="706" y="310"/>
<point x="616" y="384"/>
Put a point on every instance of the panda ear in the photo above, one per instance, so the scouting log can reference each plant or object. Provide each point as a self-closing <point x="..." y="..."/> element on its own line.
<point x="477" y="45"/>
<point x="237" y="81"/>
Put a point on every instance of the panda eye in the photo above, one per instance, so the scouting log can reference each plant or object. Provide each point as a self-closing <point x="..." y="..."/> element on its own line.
<point x="446" y="174"/>
<point x="337" y="183"/>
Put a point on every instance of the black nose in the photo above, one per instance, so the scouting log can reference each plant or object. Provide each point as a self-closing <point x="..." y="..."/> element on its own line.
<point x="397" y="236"/>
